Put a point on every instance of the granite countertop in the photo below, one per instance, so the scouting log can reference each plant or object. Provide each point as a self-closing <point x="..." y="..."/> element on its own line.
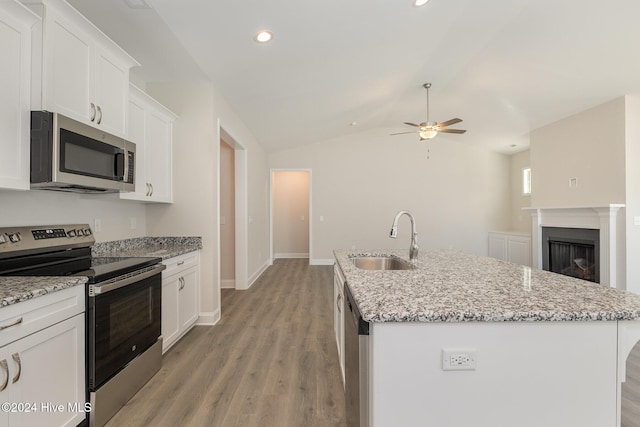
<point x="21" y="288"/>
<point x="161" y="247"/>
<point x="18" y="289"/>
<point x="453" y="286"/>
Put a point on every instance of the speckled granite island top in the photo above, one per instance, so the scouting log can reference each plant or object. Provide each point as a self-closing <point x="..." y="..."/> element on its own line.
<point x="161" y="247"/>
<point x="452" y="286"/>
<point x="18" y="289"/>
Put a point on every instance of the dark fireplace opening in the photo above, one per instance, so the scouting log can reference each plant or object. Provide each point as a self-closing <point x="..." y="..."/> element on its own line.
<point x="573" y="252"/>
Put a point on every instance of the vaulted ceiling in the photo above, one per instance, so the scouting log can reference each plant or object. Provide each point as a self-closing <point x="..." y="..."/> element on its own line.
<point x="505" y="67"/>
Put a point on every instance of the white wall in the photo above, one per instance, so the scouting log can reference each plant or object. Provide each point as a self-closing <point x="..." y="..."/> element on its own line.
<point x="361" y="181"/>
<point x="195" y="181"/>
<point x="38" y="207"/>
<point x="632" y="209"/>
<point x="520" y="220"/>
<point x="290" y="198"/>
<point x="589" y="146"/>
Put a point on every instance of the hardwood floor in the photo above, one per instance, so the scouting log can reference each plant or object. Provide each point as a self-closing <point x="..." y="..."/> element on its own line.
<point x="270" y="361"/>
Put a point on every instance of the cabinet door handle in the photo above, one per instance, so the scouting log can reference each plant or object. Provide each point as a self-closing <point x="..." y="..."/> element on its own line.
<point x="17" y="322"/>
<point x="93" y="112"/>
<point x="151" y="189"/>
<point x="5" y="368"/>
<point x="16" y="358"/>
<point x="181" y="283"/>
<point x="100" y="116"/>
<point x="147" y="194"/>
<point x="338" y="305"/>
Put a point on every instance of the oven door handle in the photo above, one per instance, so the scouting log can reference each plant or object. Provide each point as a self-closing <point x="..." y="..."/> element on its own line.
<point x="117" y="283"/>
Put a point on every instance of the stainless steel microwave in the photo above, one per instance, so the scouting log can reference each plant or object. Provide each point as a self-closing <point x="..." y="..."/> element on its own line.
<point x="67" y="155"/>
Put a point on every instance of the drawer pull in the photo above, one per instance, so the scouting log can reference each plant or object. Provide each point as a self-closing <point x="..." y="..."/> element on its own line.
<point x="180" y="263"/>
<point x="5" y="368"/>
<point x="16" y="358"/>
<point x="17" y="322"/>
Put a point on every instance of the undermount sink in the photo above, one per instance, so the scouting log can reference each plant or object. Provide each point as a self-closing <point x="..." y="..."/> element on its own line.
<point x="381" y="263"/>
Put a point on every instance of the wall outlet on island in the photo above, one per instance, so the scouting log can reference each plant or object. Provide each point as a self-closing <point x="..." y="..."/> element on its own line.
<point x="97" y="225"/>
<point x="458" y="359"/>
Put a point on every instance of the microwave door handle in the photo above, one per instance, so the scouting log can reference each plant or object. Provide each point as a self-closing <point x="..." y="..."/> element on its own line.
<point x="119" y="166"/>
<point x="125" y="174"/>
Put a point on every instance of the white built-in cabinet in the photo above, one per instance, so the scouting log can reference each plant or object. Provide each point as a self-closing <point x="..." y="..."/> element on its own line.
<point x="150" y="127"/>
<point x="42" y="360"/>
<point x="16" y="24"/>
<point x="338" y="314"/>
<point x="78" y="71"/>
<point x="180" y="297"/>
<point x="510" y="246"/>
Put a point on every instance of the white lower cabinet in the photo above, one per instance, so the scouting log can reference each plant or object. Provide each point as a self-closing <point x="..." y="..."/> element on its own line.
<point x="180" y="297"/>
<point x="42" y="374"/>
<point x="338" y="314"/>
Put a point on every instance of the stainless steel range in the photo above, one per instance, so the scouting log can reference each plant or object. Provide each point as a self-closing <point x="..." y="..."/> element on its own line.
<point x="124" y="346"/>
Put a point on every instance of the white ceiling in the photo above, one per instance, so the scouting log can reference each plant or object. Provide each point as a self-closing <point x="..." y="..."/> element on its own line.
<point x="504" y="66"/>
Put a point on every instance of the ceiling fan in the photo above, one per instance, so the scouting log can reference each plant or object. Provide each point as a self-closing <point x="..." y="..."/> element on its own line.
<point x="428" y="129"/>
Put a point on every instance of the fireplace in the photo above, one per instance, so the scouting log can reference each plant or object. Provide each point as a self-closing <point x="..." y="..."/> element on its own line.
<point x="572" y="251"/>
<point x="606" y="220"/>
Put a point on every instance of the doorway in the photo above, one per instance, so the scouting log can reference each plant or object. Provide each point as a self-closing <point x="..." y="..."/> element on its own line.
<point x="232" y="220"/>
<point x="227" y="217"/>
<point x="291" y="213"/>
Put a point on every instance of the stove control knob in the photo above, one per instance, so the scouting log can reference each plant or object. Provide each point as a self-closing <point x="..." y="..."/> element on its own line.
<point x="3" y="238"/>
<point x="87" y="232"/>
<point x="14" y="237"/>
<point x="80" y="232"/>
<point x="71" y="233"/>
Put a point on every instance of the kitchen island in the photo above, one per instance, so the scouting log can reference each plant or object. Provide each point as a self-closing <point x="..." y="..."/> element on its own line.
<point x="548" y="349"/>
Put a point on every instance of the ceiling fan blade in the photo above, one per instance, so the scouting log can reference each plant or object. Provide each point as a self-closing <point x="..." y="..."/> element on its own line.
<point x="451" y="131"/>
<point x="449" y="123"/>
<point x="412" y="124"/>
<point x="402" y="133"/>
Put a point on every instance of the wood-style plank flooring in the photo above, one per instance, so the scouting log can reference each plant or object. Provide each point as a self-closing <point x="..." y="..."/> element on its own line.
<point x="270" y="361"/>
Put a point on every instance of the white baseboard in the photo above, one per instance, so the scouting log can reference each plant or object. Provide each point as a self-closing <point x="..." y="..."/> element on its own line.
<point x="258" y="273"/>
<point x="208" y="318"/>
<point x="321" y="261"/>
<point x="228" y="284"/>
<point x="291" y="255"/>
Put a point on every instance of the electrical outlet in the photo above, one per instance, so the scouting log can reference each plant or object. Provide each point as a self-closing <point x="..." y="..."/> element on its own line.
<point x="134" y="223"/>
<point x="97" y="225"/>
<point x="458" y="359"/>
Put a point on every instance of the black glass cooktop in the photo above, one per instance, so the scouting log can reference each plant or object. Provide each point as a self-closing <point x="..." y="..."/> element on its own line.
<point x="74" y="262"/>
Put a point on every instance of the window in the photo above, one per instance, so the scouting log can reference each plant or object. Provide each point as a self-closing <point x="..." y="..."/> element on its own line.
<point x="526" y="181"/>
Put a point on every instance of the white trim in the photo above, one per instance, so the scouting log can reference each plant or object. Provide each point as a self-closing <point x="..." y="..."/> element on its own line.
<point x="601" y="218"/>
<point x="290" y="255"/>
<point x="208" y="318"/>
<point x="258" y="273"/>
<point x="273" y="256"/>
<point x="322" y="261"/>
<point x="227" y="284"/>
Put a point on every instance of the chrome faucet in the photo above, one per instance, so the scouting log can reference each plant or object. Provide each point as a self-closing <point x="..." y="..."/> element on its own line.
<point x="413" y="249"/>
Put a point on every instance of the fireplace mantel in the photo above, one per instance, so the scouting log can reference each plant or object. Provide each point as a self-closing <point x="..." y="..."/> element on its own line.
<point x="603" y="218"/>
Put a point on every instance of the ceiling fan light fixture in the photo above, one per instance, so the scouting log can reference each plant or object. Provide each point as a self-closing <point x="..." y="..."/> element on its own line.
<point x="428" y="134"/>
<point x="419" y="3"/>
<point x="263" y="36"/>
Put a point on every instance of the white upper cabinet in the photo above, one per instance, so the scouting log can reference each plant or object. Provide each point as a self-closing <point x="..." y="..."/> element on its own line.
<point x="151" y="129"/>
<point x="79" y="72"/>
<point x="16" y="23"/>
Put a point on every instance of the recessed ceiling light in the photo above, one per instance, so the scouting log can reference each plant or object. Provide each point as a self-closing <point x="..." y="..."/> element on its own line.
<point x="353" y="123"/>
<point x="138" y="4"/>
<point x="418" y="3"/>
<point x="263" y="36"/>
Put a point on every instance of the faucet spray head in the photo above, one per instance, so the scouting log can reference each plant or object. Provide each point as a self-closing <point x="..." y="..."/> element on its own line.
<point x="394" y="232"/>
